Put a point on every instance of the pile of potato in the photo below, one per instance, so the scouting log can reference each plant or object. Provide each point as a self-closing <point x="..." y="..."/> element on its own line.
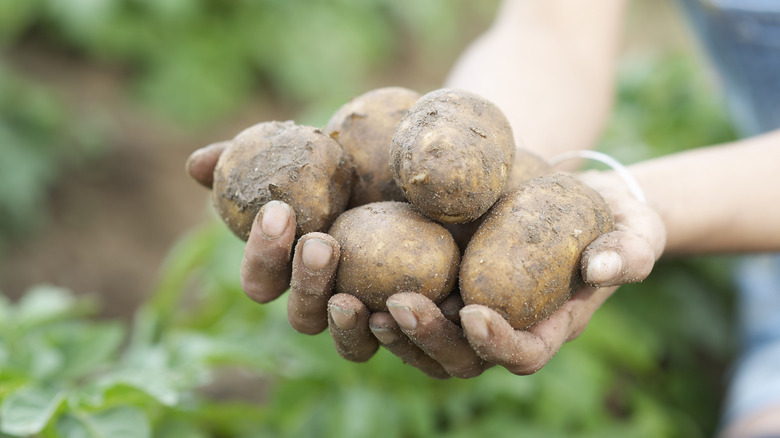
<point x="422" y="193"/>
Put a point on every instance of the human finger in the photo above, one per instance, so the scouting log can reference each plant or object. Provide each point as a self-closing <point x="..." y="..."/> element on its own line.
<point x="201" y="163"/>
<point x="265" y="269"/>
<point x="313" y="273"/>
<point x="389" y="334"/>
<point x="441" y="339"/>
<point x="617" y="258"/>
<point x="628" y="254"/>
<point x="348" y="324"/>
<point x="525" y="352"/>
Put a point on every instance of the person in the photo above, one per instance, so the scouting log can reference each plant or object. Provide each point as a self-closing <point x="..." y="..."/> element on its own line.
<point x="550" y="66"/>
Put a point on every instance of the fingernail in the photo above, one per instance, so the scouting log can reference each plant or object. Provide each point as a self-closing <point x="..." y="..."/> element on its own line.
<point x="274" y="220"/>
<point x="343" y="318"/>
<point x="403" y="316"/>
<point x="604" y="267"/>
<point x="475" y="320"/>
<point x="316" y="254"/>
<point x="385" y="335"/>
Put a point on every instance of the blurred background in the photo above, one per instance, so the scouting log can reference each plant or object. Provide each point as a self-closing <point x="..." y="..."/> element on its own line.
<point x="122" y="313"/>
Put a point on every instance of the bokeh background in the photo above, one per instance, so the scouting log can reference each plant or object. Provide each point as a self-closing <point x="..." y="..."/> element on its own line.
<point x="122" y="314"/>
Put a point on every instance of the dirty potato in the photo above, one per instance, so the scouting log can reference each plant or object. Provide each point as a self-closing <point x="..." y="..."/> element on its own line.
<point x="297" y="164"/>
<point x="452" y="154"/>
<point x="365" y="126"/>
<point x="388" y="247"/>
<point x="524" y="260"/>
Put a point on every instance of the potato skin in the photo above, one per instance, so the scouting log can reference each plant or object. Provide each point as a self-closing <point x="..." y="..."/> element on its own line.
<point x="524" y="260"/>
<point x="452" y="155"/>
<point x="527" y="165"/>
<point x="297" y="164"/>
<point x="365" y="126"/>
<point x="389" y="247"/>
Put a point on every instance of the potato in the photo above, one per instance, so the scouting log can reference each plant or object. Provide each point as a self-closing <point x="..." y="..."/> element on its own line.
<point x="297" y="164"/>
<point x="452" y="154"/>
<point x="365" y="126"/>
<point x="388" y="247"/>
<point x="524" y="260"/>
<point x="527" y="165"/>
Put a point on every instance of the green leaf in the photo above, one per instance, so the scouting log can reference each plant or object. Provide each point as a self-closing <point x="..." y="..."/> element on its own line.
<point x="178" y="429"/>
<point x="44" y="303"/>
<point x="86" y="347"/>
<point x="157" y="385"/>
<point x="45" y="360"/>
<point x="121" y="422"/>
<point x="27" y="410"/>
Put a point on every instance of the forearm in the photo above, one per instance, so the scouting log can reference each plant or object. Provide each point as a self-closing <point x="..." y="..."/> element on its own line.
<point x="549" y="66"/>
<point x="722" y="198"/>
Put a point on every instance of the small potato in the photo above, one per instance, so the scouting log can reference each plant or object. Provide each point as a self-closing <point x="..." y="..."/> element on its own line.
<point x="524" y="260"/>
<point x="297" y="164"/>
<point x="388" y="247"/>
<point x="365" y="126"/>
<point x="452" y="155"/>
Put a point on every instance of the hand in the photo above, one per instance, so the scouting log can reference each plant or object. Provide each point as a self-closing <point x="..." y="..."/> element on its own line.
<point x="267" y="268"/>
<point x="430" y="338"/>
<point x="450" y="340"/>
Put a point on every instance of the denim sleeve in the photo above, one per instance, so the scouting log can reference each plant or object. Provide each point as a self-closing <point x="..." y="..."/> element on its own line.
<point x="742" y="39"/>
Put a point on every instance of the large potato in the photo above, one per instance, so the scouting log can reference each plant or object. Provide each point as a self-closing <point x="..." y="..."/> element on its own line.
<point x="524" y="260"/>
<point x="388" y="247"/>
<point x="365" y="126"/>
<point x="452" y="154"/>
<point x="297" y="164"/>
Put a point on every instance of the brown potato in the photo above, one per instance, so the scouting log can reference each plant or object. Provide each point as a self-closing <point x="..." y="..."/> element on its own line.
<point x="527" y="165"/>
<point x="388" y="247"/>
<point x="452" y="155"/>
<point x="297" y="164"/>
<point x="365" y="126"/>
<point x="524" y="260"/>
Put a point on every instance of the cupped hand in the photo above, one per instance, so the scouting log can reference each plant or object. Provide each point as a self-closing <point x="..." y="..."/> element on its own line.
<point x="443" y="343"/>
<point x="449" y="339"/>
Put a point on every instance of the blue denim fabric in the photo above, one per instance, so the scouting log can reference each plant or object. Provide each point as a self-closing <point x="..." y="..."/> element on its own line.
<point x="742" y="38"/>
<point x="755" y="382"/>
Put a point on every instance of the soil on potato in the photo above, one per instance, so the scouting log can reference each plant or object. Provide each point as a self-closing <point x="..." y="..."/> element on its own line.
<point x="284" y="161"/>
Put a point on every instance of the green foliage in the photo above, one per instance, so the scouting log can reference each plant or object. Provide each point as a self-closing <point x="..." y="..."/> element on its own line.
<point x="665" y="107"/>
<point x="197" y="61"/>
